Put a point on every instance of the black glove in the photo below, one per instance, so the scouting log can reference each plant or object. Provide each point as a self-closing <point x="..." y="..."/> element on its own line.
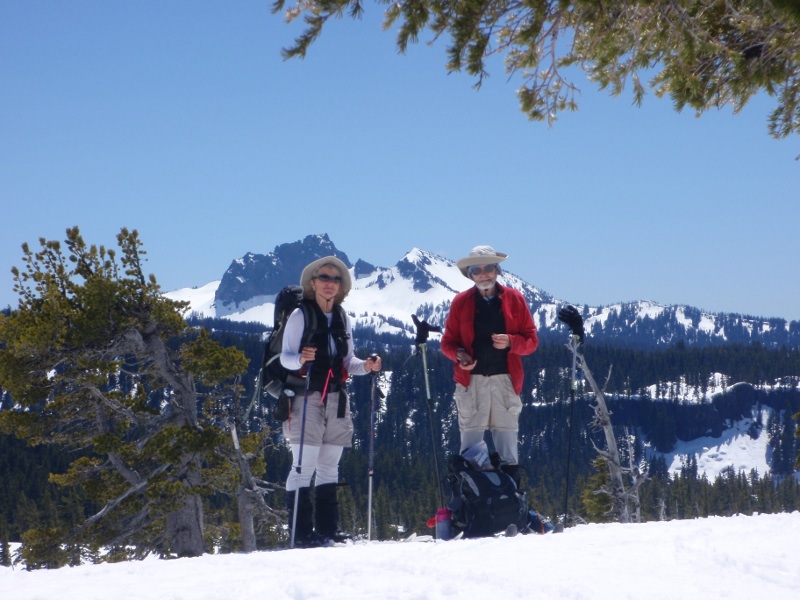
<point x="423" y="329"/>
<point x="572" y="318"/>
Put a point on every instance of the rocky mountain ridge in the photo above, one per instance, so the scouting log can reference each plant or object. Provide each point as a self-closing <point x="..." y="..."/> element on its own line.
<point x="423" y="283"/>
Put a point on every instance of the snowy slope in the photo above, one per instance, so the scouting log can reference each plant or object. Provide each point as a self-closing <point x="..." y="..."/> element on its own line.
<point x="736" y="558"/>
<point x="734" y="448"/>
<point x="201" y="299"/>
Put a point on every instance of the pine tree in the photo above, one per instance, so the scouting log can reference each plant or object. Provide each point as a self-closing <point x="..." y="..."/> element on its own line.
<point x="701" y="56"/>
<point x="86" y="356"/>
<point x="5" y="546"/>
<point x="596" y="504"/>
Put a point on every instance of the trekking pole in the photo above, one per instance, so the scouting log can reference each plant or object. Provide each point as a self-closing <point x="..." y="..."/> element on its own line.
<point x="442" y="519"/>
<point x="255" y="401"/>
<point x="299" y="467"/>
<point x="433" y="433"/>
<point x="374" y="387"/>
<point x="572" y="318"/>
<point x="573" y="345"/>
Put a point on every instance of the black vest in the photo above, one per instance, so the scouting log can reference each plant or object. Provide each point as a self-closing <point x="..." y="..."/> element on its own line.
<point x="489" y="319"/>
<point x="327" y="358"/>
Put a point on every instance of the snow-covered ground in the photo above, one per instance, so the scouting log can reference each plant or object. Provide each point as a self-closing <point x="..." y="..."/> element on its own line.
<point x="742" y="557"/>
<point x="734" y="448"/>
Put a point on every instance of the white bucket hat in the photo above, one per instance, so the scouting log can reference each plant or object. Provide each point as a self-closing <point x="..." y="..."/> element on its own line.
<point x="480" y="255"/>
<point x="311" y="270"/>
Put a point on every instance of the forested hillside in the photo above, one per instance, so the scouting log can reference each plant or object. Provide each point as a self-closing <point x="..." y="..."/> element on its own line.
<point x="656" y="419"/>
<point x="651" y="413"/>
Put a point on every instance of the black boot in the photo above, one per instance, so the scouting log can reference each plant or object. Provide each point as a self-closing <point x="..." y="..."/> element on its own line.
<point x="304" y="536"/>
<point x="326" y="514"/>
<point x="514" y="472"/>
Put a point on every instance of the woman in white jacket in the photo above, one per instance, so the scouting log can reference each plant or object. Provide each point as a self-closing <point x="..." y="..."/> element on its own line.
<point x="323" y="356"/>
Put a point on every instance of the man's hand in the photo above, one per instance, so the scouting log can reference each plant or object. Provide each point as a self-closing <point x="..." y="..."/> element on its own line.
<point x="464" y="360"/>
<point x="501" y="341"/>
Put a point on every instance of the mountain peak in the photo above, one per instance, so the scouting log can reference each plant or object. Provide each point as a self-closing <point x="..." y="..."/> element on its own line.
<point x="416" y="254"/>
<point x="254" y="278"/>
<point x="424" y="283"/>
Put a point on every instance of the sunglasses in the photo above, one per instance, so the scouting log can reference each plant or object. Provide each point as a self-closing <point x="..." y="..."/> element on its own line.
<point x="477" y="270"/>
<point x="324" y="278"/>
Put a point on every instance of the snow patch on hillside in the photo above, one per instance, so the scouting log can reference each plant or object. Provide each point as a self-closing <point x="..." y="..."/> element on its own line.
<point x="200" y="299"/>
<point x="735" y="449"/>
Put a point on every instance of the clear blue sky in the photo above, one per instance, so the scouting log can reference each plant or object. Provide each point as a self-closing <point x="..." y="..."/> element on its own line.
<point x="181" y="119"/>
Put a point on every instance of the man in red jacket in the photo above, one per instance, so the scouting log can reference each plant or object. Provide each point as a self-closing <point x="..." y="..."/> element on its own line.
<point x="488" y="330"/>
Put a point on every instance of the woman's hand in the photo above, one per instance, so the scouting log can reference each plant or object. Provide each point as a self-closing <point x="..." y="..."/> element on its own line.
<point x="373" y="363"/>
<point x="307" y="354"/>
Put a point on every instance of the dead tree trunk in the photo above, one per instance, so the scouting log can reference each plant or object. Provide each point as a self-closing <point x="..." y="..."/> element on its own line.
<point x="621" y="498"/>
<point x="250" y="496"/>
<point x="633" y="471"/>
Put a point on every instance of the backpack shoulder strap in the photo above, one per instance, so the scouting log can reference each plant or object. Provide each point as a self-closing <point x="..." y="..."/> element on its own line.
<point x="310" y="321"/>
<point x="342" y="315"/>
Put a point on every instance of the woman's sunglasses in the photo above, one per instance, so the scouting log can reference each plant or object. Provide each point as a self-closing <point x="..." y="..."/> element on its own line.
<point x="477" y="270"/>
<point x="326" y="278"/>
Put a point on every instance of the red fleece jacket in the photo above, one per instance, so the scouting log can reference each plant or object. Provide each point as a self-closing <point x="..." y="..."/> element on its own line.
<point x="459" y="331"/>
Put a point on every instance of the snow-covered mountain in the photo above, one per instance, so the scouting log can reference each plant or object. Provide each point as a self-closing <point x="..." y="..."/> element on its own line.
<point x="423" y="283"/>
<point x="382" y="298"/>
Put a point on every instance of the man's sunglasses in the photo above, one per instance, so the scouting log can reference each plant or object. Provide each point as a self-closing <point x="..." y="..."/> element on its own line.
<point x="324" y="278"/>
<point x="477" y="270"/>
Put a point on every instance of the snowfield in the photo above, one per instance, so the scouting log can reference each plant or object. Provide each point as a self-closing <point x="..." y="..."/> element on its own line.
<point x="741" y="557"/>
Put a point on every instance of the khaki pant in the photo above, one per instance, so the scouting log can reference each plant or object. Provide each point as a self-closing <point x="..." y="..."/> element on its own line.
<point x="489" y="402"/>
<point x="322" y="425"/>
<point x="324" y="438"/>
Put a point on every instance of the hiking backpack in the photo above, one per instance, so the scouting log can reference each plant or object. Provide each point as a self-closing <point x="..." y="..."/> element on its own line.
<point x="484" y="503"/>
<point x="275" y="379"/>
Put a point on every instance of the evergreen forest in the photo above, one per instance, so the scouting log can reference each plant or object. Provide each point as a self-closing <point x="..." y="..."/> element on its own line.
<point x="414" y="436"/>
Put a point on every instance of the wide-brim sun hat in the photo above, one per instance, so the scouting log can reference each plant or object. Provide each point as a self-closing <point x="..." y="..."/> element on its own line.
<point x="480" y="255"/>
<point x="311" y="269"/>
